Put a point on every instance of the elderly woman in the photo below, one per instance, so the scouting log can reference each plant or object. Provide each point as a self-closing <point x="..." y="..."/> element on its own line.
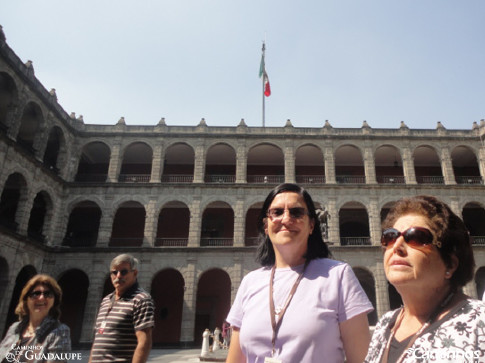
<point x="38" y="331"/>
<point x="300" y="306"/>
<point x="428" y="258"/>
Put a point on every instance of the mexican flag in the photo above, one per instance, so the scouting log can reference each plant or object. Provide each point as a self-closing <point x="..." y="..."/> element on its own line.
<point x="264" y="75"/>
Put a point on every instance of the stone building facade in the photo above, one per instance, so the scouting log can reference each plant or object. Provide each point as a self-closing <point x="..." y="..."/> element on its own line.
<point x="184" y="200"/>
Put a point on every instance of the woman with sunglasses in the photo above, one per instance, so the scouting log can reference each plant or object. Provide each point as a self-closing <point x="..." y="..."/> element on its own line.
<point x="38" y="335"/>
<point x="428" y="258"/>
<point x="300" y="306"/>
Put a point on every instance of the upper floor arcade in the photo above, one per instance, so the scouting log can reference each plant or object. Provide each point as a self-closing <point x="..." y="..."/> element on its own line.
<point x="31" y="117"/>
<point x="275" y="161"/>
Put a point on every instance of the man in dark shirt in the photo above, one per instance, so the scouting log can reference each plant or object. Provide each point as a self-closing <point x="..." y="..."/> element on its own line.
<point x="125" y="319"/>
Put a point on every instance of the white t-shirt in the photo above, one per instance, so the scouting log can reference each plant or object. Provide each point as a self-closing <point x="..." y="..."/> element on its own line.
<point x="328" y="294"/>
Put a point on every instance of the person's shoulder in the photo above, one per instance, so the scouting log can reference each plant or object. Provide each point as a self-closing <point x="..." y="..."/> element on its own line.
<point x="386" y="318"/>
<point x="63" y="328"/>
<point x="140" y="294"/>
<point x="258" y="273"/>
<point x="328" y="265"/>
<point x="107" y="297"/>
<point x="475" y="306"/>
<point x="328" y="262"/>
<point x="13" y="328"/>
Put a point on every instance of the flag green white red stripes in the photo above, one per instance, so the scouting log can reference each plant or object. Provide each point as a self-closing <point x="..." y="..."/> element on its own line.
<point x="264" y="75"/>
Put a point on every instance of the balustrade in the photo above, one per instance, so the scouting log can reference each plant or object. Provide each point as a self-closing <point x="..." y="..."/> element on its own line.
<point x="216" y="242"/>
<point x="355" y="241"/>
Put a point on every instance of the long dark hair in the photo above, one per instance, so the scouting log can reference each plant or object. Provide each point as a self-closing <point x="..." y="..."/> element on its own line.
<point x="316" y="247"/>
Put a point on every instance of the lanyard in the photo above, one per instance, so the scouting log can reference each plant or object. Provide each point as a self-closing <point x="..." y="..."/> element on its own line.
<point x="276" y="325"/>
<point x="433" y="316"/>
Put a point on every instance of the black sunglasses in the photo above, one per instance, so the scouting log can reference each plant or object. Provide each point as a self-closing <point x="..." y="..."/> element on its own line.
<point x="122" y="272"/>
<point x="37" y="294"/>
<point x="415" y="237"/>
<point x="277" y="213"/>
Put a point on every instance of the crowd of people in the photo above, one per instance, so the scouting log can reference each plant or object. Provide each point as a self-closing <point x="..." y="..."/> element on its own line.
<point x="300" y="305"/>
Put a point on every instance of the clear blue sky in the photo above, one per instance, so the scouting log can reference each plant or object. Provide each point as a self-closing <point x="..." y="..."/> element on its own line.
<point x="420" y="61"/>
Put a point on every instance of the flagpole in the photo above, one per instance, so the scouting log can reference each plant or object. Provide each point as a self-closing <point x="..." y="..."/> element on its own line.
<point x="262" y="93"/>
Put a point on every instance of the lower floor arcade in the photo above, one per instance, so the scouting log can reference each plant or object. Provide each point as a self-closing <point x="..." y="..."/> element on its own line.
<point x="193" y="288"/>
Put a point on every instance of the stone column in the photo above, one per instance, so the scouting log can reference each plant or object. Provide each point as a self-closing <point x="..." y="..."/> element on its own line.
<point x="40" y="142"/>
<point x="3" y="156"/>
<point x="195" y="223"/>
<point x="481" y="162"/>
<point x="105" y="227"/>
<point x="369" y="166"/>
<point x="157" y="164"/>
<point x="199" y="164"/>
<point x="188" y="312"/>
<point x="239" y="219"/>
<point x="455" y="206"/>
<point x="470" y="289"/>
<point x="93" y="300"/>
<point x="151" y="221"/>
<point x="333" y="222"/>
<point x="74" y="152"/>
<point x="114" y="163"/>
<point x="329" y="166"/>
<point x="374" y="222"/>
<point x="55" y="227"/>
<point x="447" y="167"/>
<point x="61" y="218"/>
<point x="382" y="292"/>
<point x="408" y="166"/>
<point x="241" y="163"/>
<point x="289" y="155"/>
<point x="23" y="212"/>
<point x="14" y="118"/>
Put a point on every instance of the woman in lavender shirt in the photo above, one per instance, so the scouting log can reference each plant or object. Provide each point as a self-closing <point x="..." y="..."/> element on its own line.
<point x="300" y="306"/>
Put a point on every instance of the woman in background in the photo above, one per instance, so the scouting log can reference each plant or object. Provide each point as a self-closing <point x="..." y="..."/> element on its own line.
<point x="38" y="331"/>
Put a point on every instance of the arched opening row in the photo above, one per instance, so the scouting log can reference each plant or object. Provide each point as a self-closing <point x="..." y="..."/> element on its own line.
<point x="265" y="163"/>
<point x="262" y="163"/>
<point x="27" y="125"/>
<point x="172" y="225"/>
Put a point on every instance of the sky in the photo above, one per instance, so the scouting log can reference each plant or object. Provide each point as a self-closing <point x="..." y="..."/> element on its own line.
<point x="345" y="61"/>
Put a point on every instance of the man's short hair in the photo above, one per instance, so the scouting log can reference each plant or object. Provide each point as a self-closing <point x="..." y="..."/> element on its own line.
<point x="125" y="258"/>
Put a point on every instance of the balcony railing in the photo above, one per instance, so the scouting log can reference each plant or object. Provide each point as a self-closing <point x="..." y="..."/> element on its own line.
<point x="134" y="178"/>
<point x="394" y="179"/>
<point x="478" y="240"/>
<point x="171" y="242"/>
<point x="177" y="178"/>
<point x="355" y="241"/>
<point x="251" y="241"/>
<point x="469" y="179"/>
<point x="79" y="241"/>
<point x="126" y="241"/>
<point x="430" y="179"/>
<point x="310" y="179"/>
<point x="91" y="178"/>
<point x="220" y="179"/>
<point x="215" y="242"/>
<point x="266" y="179"/>
<point x="350" y="179"/>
